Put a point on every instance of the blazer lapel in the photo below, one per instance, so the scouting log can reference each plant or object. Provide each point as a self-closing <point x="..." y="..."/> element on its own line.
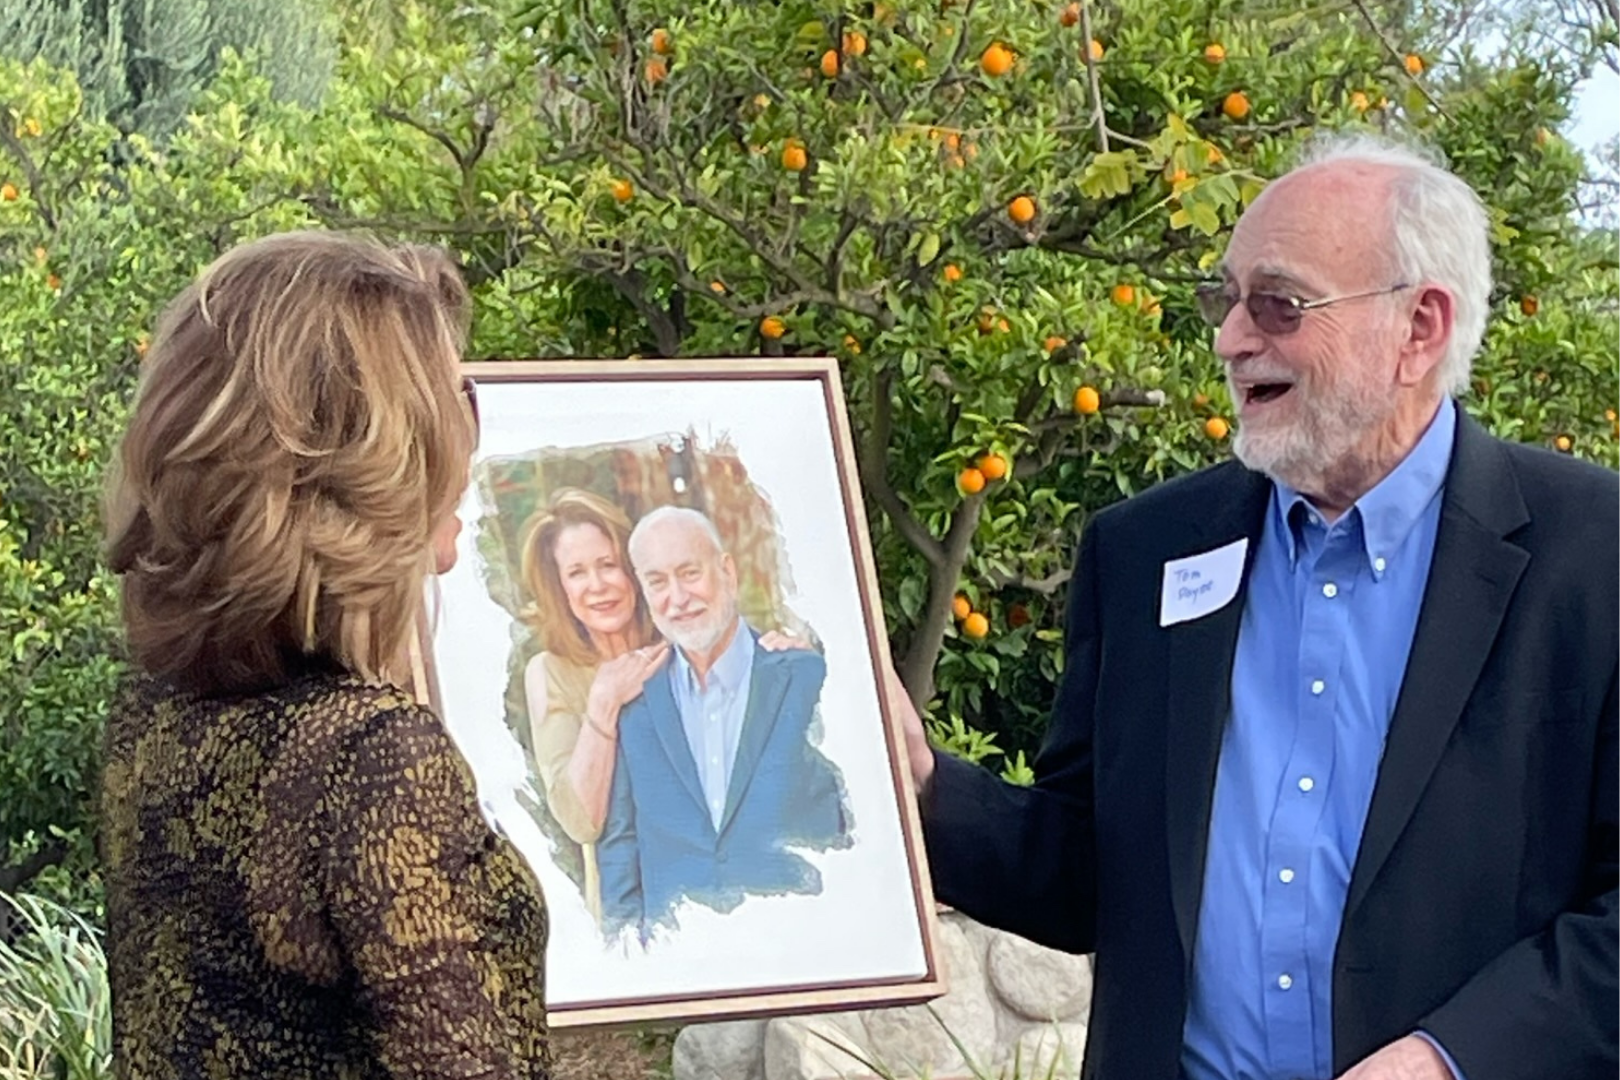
<point x="1198" y="676"/>
<point x="768" y="686"/>
<point x="666" y="724"/>
<point x="1472" y="579"/>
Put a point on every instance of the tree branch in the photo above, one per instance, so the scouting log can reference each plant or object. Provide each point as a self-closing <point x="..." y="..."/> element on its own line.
<point x="875" y="472"/>
<point x="31" y="173"/>
<point x="1046" y="586"/>
<point x="1092" y="78"/>
<point x="1400" y="57"/>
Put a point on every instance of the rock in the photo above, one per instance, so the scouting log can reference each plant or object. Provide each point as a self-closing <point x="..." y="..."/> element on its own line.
<point x="730" y="1050"/>
<point x="1053" y="1050"/>
<point x="827" y="1047"/>
<point x="1039" y="983"/>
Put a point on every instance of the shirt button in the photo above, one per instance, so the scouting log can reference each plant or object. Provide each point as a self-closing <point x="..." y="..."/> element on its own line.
<point x="1306" y="783"/>
<point x="1318" y="686"/>
<point x="1378" y="565"/>
<point x="1330" y="590"/>
<point x="1285" y="875"/>
<point x="1285" y="981"/>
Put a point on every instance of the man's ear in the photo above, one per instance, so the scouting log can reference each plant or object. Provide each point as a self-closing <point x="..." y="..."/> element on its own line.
<point x="728" y="567"/>
<point x="1428" y="333"/>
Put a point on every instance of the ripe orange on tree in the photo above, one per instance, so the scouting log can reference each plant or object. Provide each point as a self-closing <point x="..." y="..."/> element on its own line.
<point x="623" y="191"/>
<point x="1070" y="15"/>
<point x="1054" y="343"/>
<point x="1022" y="210"/>
<point x="852" y="343"/>
<point x="854" y="43"/>
<point x="1413" y="64"/>
<point x="772" y="327"/>
<point x="52" y="282"/>
<point x="794" y="158"/>
<point x="1529" y="305"/>
<point x="1359" y="102"/>
<point x="829" y="63"/>
<point x="8" y="192"/>
<point x="970" y="481"/>
<point x="1096" y="49"/>
<point x="1236" y="105"/>
<point x="976" y="626"/>
<point x="1610" y="415"/>
<point x="996" y="60"/>
<point x="960" y="607"/>
<point x="1216" y="428"/>
<point x="1087" y="401"/>
<point x="1564" y="443"/>
<point x="1214" y="52"/>
<point x="656" y="70"/>
<point x="993" y="466"/>
<point x="717" y="287"/>
<point x="662" y="43"/>
<point x="952" y="272"/>
<point x="1123" y="294"/>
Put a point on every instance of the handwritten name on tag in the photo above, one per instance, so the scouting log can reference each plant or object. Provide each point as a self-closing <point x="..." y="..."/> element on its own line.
<point x="1199" y="584"/>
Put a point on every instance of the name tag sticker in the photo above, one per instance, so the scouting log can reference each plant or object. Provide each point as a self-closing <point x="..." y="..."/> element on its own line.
<point x="1200" y="584"/>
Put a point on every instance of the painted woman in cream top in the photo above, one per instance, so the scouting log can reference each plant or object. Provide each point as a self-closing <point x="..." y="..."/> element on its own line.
<point x="599" y="648"/>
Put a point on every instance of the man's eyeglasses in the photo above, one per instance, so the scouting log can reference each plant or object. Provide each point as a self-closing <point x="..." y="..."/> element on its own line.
<point x="1273" y="313"/>
<point x="469" y="390"/>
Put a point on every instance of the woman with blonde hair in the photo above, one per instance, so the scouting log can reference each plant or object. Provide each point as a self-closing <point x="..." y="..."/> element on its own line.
<point x="299" y="880"/>
<point x="599" y="649"/>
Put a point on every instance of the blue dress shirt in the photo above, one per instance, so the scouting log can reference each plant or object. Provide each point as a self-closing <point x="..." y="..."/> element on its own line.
<point x="1321" y="653"/>
<point x="712" y="714"/>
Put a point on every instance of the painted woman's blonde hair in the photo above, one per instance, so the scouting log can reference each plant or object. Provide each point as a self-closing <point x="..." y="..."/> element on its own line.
<point x="297" y="433"/>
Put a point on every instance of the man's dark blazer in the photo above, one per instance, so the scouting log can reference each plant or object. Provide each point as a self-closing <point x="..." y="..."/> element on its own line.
<point x="659" y="844"/>
<point x="1482" y="902"/>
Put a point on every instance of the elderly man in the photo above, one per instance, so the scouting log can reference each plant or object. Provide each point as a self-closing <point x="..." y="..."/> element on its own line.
<point x="1330" y="782"/>
<point x="717" y="778"/>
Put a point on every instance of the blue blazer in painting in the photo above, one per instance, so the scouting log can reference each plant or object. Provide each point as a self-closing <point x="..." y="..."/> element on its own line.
<point x="659" y="844"/>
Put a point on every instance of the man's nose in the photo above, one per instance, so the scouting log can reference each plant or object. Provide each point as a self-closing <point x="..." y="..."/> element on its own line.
<point x="1238" y="337"/>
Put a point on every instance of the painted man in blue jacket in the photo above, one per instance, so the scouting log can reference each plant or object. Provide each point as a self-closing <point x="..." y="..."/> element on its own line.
<point x="717" y="778"/>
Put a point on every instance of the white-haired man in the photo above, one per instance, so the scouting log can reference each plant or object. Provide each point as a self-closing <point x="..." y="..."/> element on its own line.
<point x="1330" y="784"/>
<point x="719" y="785"/>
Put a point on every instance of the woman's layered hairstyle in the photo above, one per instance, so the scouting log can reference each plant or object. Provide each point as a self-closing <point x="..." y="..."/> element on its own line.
<point x="298" y="432"/>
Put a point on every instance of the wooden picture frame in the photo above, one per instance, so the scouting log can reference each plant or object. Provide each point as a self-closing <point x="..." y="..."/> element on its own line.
<point x="787" y="874"/>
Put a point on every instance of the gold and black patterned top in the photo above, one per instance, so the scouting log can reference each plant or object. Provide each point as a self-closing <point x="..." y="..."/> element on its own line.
<point x="300" y="884"/>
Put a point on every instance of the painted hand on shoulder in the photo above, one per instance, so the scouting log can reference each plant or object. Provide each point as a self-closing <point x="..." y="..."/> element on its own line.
<point x="782" y="640"/>
<point x="619" y="681"/>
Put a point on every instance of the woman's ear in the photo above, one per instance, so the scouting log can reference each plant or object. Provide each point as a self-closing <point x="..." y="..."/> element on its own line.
<point x="444" y="544"/>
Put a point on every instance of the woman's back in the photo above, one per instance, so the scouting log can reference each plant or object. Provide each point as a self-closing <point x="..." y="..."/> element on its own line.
<point x="300" y="884"/>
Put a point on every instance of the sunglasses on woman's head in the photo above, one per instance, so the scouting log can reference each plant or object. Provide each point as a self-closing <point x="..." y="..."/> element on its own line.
<point x="1276" y="314"/>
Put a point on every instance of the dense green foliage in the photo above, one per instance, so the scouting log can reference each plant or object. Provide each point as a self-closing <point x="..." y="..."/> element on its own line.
<point x="601" y="211"/>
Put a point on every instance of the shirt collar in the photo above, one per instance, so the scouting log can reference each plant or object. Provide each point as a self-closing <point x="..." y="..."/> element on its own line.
<point x="728" y="671"/>
<point x="1388" y="512"/>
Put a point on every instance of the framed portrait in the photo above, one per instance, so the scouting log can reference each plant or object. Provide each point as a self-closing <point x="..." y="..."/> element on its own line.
<point x="661" y="651"/>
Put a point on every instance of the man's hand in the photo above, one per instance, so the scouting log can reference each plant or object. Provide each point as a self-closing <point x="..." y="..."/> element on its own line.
<point x="1411" y="1058"/>
<point x="918" y="752"/>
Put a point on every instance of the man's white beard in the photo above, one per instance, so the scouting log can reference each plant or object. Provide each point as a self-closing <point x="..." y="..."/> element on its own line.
<point x="1308" y="453"/>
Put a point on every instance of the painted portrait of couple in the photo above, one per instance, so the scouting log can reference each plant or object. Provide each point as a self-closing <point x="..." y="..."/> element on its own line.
<point x="677" y="744"/>
<point x="660" y="651"/>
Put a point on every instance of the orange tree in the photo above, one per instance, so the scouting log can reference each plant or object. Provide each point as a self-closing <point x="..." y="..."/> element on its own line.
<point x="993" y="213"/>
<point x="993" y="224"/>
